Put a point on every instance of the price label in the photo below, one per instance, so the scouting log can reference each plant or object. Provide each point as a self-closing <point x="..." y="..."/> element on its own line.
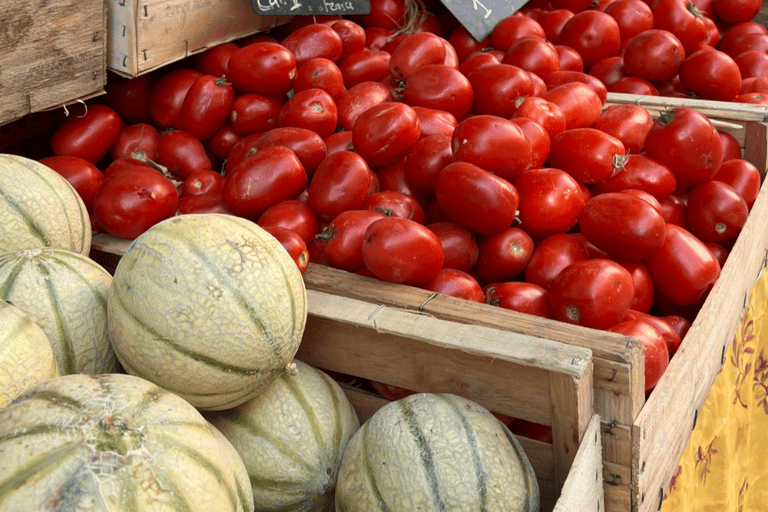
<point x="310" y="7"/>
<point x="479" y="17"/>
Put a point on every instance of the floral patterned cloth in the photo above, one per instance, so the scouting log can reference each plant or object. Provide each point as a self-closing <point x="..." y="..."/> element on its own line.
<point x="725" y="465"/>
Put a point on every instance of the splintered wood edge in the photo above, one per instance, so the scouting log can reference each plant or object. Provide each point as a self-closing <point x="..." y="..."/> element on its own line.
<point x="583" y="488"/>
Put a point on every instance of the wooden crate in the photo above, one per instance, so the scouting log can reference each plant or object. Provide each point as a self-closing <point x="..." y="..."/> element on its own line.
<point x="51" y="54"/>
<point x="147" y="34"/>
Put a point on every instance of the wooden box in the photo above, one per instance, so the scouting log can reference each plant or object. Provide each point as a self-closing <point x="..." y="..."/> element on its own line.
<point x="51" y="54"/>
<point x="147" y="34"/>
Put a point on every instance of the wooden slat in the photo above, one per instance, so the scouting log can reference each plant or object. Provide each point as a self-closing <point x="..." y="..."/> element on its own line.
<point x="583" y="489"/>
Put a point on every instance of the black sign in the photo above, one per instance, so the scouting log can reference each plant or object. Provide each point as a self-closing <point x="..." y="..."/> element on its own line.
<point x="480" y="16"/>
<point x="310" y="7"/>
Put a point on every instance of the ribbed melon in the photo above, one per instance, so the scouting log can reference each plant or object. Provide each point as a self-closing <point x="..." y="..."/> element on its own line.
<point x="39" y="208"/>
<point x="208" y="306"/>
<point x="26" y="357"/>
<point x="291" y="438"/>
<point x="435" y="452"/>
<point x="114" y="443"/>
<point x="65" y="293"/>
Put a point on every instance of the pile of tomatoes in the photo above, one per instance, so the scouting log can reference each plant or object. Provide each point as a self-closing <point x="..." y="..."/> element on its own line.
<point x="493" y="171"/>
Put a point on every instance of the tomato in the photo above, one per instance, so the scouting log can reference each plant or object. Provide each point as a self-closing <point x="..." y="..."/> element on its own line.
<point x="563" y="76"/>
<point x="716" y="212"/>
<point x="134" y="199"/>
<point x="673" y="210"/>
<point x="743" y="176"/>
<point x="475" y="198"/>
<point x="655" y="352"/>
<point x="752" y="63"/>
<point x="167" y="97"/>
<point x="579" y="102"/>
<point x="89" y="135"/>
<point x="594" y="293"/>
<point x="206" y="106"/>
<point x="681" y="18"/>
<point x="270" y="175"/>
<point x="552" y="22"/>
<point x="550" y="201"/>
<point x="202" y="182"/>
<point x="460" y="247"/>
<point x="569" y="59"/>
<point x="503" y="255"/>
<point x="313" y="41"/>
<point x="84" y="176"/>
<point x="364" y="65"/>
<point x="550" y="256"/>
<point x="522" y="297"/>
<point x="493" y="143"/>
<point x="755" y="98"/>
<point x="358" y="99"/>
<point x="513" y="27"/>
<point x="129" y="97"/>
<point x="181" y="153"/>
<point x="307" y="144"/>
<point x="385" y="132"/>
<point x="338" y="141"/>
<point x="435" y="122"/>
<point x="221" y="143"/>
<point x="640" y="172"/>
<point x="320" y="73"/>
<point x="593" y="34"/>
<point x="533" y="53"/>
<point x="688" y="143"/>
<point x="641" y="279"/>
<point x="137" y="141"/>
<point x="497" y="89"/>
<point x="588" y="154"/>
<point x="396" y="204"/>
<point x="202" y="203"/>
<point x="352" y="36"/>
<point x="402" y="251"/>
<point x="538" y="138"/>
<point x="415" y="51"/>
<point x="341" y="182"/>
<point x="544" y="112"/>
<point x="757" y="84"/>
<point x="262" y="68"/>
<point x="342" y="239"/>
<point x="711" y="74"/>
<point x="292" y="214"/>
<point x="632" y="16"/>
<point x="312" y="109"/>
<point x="214" y="60"/>
<point x="654" y="55"/>
<point x="388" y="14"/>
<point x="682" y="269"/>
<point x="633" y="85"/>
<point x="241" y="150"/>
<point x="439" y="87"/>
<point x="720" y="251"/>
<point x="736" y="11"/>
<point x="608" y="70"/>
<point x="465" y="43"/>
<point x="293" y="244"/>
<point x="390" y="392"/>
<point x="679" y="324"/>
<point x="252" y="113"/>
<point x="479" y="60"/>
<point x="628" y="122"/>
<point x="663" y="325"/>
<point x="456" y="283"/>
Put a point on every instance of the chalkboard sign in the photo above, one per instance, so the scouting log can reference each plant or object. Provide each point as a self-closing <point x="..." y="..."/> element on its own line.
<point x="310" y="7"/>
<point x="480" y="16"/>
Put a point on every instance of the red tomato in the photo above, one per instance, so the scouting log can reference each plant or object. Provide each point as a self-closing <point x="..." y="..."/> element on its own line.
<point x="435" y="122"/>
<point x="628" y="122"/>
<point x="338" y="141"/>
<point x="242" y="149"/>
<point x="662" y="324"/>
<point x="550" y="256"/>
<point x="181" y="153"/>
<point x="214" y="60"/>
<point x="293" y="244"/>
<point x="385" y="132"/>
<point x="294" y="215"/>
<point x="352" y="36"/>
<point x="134" y="199"/>
<point x="681" y="18"/>
<point x="456" y="283"/>
<point x="392" y="178"/>
<point x="578" y="101"/>
<point x="202" y="203"/>
<point x="513" y="27"/>
<point x="84" y="176"/>
<point x="673" y="210"/>
<point x="640" y="172"/>
<point x="492" y="143"/>
<point x="534" y="54"/>
<point x="552" y="22"/>
<point x="563" y="76"/>
<point x="633" y="85"/>
<point x="682" y="269"/>
<point x="609" y="70"/>
<point x="265" y="178"/>
<point x="544" y="112"/>
<point x="307" y="144"/>
<point x="460" y="248"/>
<point x="497" y="89"/>
<point x="538" y="138"/>
<point x="465" y="43"/>
<point x="439" y="87"/>
<point x="342" y="239"/>
<point x="89" y="135"/>
<point x="550" y="201"/>
<point x="414" y="52"/>
<point x="475" y="198"/>
<point x="716" y="212"/>
<point x="202" y="182"/>
<point x="387" y="14"/>
<point x="313" y="41"/>
<point x="312" y="109"/>
<point x="137" y="141"/>
<point x="168" y="95"/>
<point x="655" y="353"/>
<point x="320" y="73"/>
<point x="358" y="99"/>
<point x="743" y="176"/>
<point x="736" y="45"/>
<point x="364" y="65"/>
<point x="402" y="251"/>
<point x="594" y="293"/>
<point x="632" y="16"/>
<point x="752" y="63"/>
<point x="594" y="34"/>
<point x="654" y="55"/>
<point x="522" y="297"/>
<point x="641" y="279"/>
<point x="425" y="159"/>
<point x="253" y="113"/>
<point x="222" y="142"/>
<point x="263" y="68"/>
<point x="711" y="74"/>
<point x="207" y="106"/>
<point x="736" y="11"/>
<point x="588" y="154"/>
<point x="479" y="60"/>
<point x="569" y="59"/>
<point x="720" y="252"/>
<point x="396" y="204"/>
<point x="504" y="255"/>
<point x="341" y="182"/>
<point x="129" y="97"/>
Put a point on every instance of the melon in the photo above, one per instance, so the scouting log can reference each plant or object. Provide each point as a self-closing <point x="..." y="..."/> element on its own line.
<point x="435" y="452"/>
<point x="114" y="443"/>
<point x="65" y="293"/>
<point x="40" y="208"/>
<point x="209" y="306"/>
<point x="26" y="356"/>
<point x="291" y="438"/>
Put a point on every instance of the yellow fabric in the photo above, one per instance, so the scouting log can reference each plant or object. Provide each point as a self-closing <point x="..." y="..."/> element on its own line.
<point x="725" y="465"/>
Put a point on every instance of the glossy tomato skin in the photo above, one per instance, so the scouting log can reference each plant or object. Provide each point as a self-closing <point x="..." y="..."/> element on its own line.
<point x="263" y="68"/>
<point x="643" y="299"/>
<point x="475" y="198"/>
<point x="222" y="142"/>
<point x="632" y="16"/>
<point x="578" y="101"/>
<point x="593" y="34"/>
<point x="181" y="153"/>
<point x="497" y="89"/>
<point x="513" y="27"/>
<point x="415" y="51"/>
<point x="84" y="176"/>
<point x="425" y="159"/>
<point x="341" y="182"/>
<point x="493" y="143"/>
<point x="640" y="172"/>
<point x="435" y="121"/>
<point x="134" y="199"/>
<point x="439" y="87"/>
<point x="265" y="178"/>
<point x="392" y="178"/>
<point x="308" y="145"/>
<point x="213" y="61"/>
<point x="168" y="95"/>
<point x="670" y="336"/>
<point x="594" y="293"/>
<point x="293" y="244"/>
<point x="588" y="154"/>
<point x="519" y="296"/>
<point x="460" y="247"/>
<point x="396" y="204"/>
<point x="456" y="283"/>
<point x="550" y="201"/>
<point x="358" y="99"/>
<point x="294" y="215"/>
<point x="137" y="141"/>
<point x="241" y="150"/>
<point x="627" y="122"/>
<point x="654" y="55"/>
<point x="402" y="251"/>
<point x="385" y="133"/>
<point x="205" y="181"/>
<point x="550" y="256"/>
<point x="253" y="113"/>
<point x="711" y="74"/>
<point x="682" y="269"/>
<point x="202" y="203"/>
<point x="312" y="109"/>
<point x="539" y="139"/>
<point x="681" y="18"/>
<point x="716" y="212"/>
<point x="129" y="97"/>
<point x="342" y="239"/>
<point x="89" y="135"/>
<point x="207" y="106"/>
<point x="544" y="112"/>
<point x="312" y="41"/>
<point x="320" y="73"/>
<point x="503" y="256"/>
<point x="534" y="54"/>
<point x="465" y="44"/>
<point x="352" y="36"/>
<point x="655" y="353"/>
<point x="364" y="65"/>
<point x="743" y="176"/>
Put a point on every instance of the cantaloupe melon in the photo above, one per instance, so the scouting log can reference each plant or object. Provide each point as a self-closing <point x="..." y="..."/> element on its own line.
<point x="26" y="356"/>
<point x="114" y="443"/>
<point x="435" y="452"/>
<point x="291" y="438"/>
<point x="65" y="293"/>
<point x="39" y="208"/>
<point x="209" y="306"/>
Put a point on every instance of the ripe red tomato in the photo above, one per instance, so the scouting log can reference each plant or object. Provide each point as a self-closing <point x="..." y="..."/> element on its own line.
<point x="207" y="106"/>
<point x="673" y="209"/>
<point x="681" y="18"/>
<point x="84" y="176"/>
<point x="513" y="27"/>
<point x="595" y="35"/>
<point x="682" y="269"/>
<point x="294" y="245"/>
<point x="578" y="101"/>
<point x="743" y="176"/>
<point x="564" y="76"/>
<point x="711" y="74"/>
<point x="456" y="283"/>
<point x="479" y="60"/>
<point x="439" y="87"/>
<point x="522" y="297"/>
<point x="588" y="154"/>
<point x="222" y="142"/>
<point x="392" y="178"/>
<point x="544" y="112"/>
<point x="130" y="96"/>
<point x="386" y="14"/>
<point x="532" y="53"/>
<point x="342" y="239"/>
<point x="137" y="141"/>
<point x="493" y="143"/>
<point x="396" y="204"/>
<point x="475" y="198"/>
<point x="253" y="113"/>
<point x="338" y="141"/>
<point x="504" y="255"/>
<point x="313" y="41"/>
<point x="716" y="212"/>
<point x="632" y="16"/>
<point x="633" y="85"/>
<point x="341" y="182"/>
<point x="312" y="109"/>
<point x="640" y="172"/>
<point x="384" y="133"/>
<point x="628" y="122"/>
<point x="358" y="99"/>
<point x="570" y="60"/>
<point x="213" y="61"/>
<point x="609" y="70"/>
<point x="594" y="293"/>
<point x="465" y="43"/>
<point x="167" y="97"/>
<point x="306" y="143"/>
<point x="134" y="199"/>
<point x="88" y="135"/>
<point x="320" y="73"/>
<point x="733" y="12"/>
<point x="497" y="89"/>
<point x="402" y="251"/>
<point x="552" y="22"/>
<point x="643" y="299"/>
<point x="294" y="215"/>
<point x="654" y="55"/>
<point x="425" y="159"/>
<point x="416" y="51"/>
<point x="662" y="324"/>
<point x="181" y="153"/>
<point x="460" y="248"/>
<point x="550" y="201"/>
<point x="655" y="353"/>
<point x="205" y="181"/>
<point x="435" y="122"/>
<point x="352" y="36"/>
<point x="364" y="65"/>
<point x="551" y="255"/>
<point x="202" y="203"/>
<point x="263" y="179"/>
<point x="263" y="68"/>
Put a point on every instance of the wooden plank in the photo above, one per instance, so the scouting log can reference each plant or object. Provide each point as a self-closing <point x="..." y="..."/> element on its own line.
<point x="583" y="489"/>
<point x="731" y="111"/>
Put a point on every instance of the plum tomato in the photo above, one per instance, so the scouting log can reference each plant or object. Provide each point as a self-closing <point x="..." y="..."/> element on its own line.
<point x="716" y="212"/>
<point x="307" y="144"/>
<point x="352" y="36"/>
<point x="213" y="61"/>
<point x="668" y="333"/>
<point x="364" y="65"/>
<point x="207" y="106"/>
<point x="392" y="178"/>
<point x="743" y="176"/>
<point x="84" y="176"/>
<point x="456" y="283"/>
<point x="358" y="99"/>
<point x="138" y="141"/>
<point x="294" y="215"/>
<point x="683" y="19"/>
<point x="673" y="210"/>
<point x="416" y="51"/>
<point x="643" y="299"/>
<point x="550" y="201"/>
<point x="640" y="172"/>
<point x="544" y="112"/>
<point x="503" y="256"/>
<point x="564" y="76"/>
<point x="655" y="353"/>
<point x="294" y="245"/>
<point x="312" y="41"/>
<point x="341" y="182"/>
<point x="130" y="96"/>
<point x="539" y="139"/>
<point x="439" y="87"/>
<point x="632" y="16"/>
<point x="595" y="292"/>
<point x="263" y="68"/>
<point x="396" y="204"/>
<point x="253" y="113"/>
<point x="320" y="73"/>
<point x="313" y="109"/>
<point x="534" y="54"/>
<point x="550" y="256"/>
<point x="492" y="143"/>
<point x="435" y="121"/>
<point x="593" y="34"/>
<point x="89" y="135"/>
<point x="342" y="239"/>
<point x="465" y="43"/>
<point x="402" y="251"/>
<point x="654" y="55"/>
<point x="425" y="159"/>
<point x="385" y="132"/>
<point x="578" y="101"/>
<point x="588" y="154"/>
<point x="222" y="142"/>
<point x="628" y="122"/>
<point x="513" y="27"/>
<point x="181" y="153"/>
<point x="167" y="96"/>
<point x="497" y="89"/>
<point x="202" y="203"/>
<point x="731" y="146"/>
<point x="460" y="248"/>
<point x="519" y="296"/>
<point x="711" y="74"/>
<point x="205" y="181"/>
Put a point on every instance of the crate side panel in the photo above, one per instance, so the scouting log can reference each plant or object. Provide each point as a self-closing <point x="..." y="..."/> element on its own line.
<point x="583" y="489"/>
